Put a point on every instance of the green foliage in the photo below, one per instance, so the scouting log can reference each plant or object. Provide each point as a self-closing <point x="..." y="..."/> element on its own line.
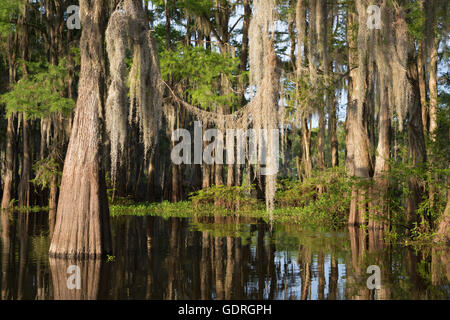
<point x="45" y="171"/>
<point x="430" y="178"/>
<point x="323" y="199"/>
<point x="164" y="209"/>
<point x="201" y="70"/>
<point x="9" y="9"/>
<point x="231" y="198"/>
<point x="416" y="19"/>
<point x="41" y="93"/>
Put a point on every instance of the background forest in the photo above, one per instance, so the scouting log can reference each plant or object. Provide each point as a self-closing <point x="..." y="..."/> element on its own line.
<point x="362" y="112"/>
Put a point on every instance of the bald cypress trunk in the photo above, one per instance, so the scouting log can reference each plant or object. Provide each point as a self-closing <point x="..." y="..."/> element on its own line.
<point x="302" y="45"/>
<point x="82" y="223"/>
<point x="333" y="133"/>
<point x="417" y="152"/>
<point x="433" y="99"/>
<point x="382" y="162"/>
<point x="421" y="58"/>
<point x="442" y="233"/>
<point x="24" y="185"/>
<point x="321" y="28"/>
<point x="25" y="177"/>
<point x="358" y="160"/>
<point x="8" y="179"/>
<point x="9" y="157"/>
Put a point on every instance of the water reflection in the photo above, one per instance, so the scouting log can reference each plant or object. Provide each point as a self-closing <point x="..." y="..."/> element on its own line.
<point x="218" y="258"/>
<point x="92" y="284"/>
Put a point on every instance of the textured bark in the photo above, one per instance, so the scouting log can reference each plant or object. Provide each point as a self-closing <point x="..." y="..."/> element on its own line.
<point x="358" y="161"/>
<point x="243" y="81"/>
<point x="421" y="58"/>
<point x="152" y="184"/>
<point x="291" y="24"/>
<point x="82" y="223"/>
<point x="206" y="176"/>
<point x="24" y="185"/>
<point x="306" y="151"/>
<point x="218" y="168"/>
<point x="382" y="161"/>
<point x="8" y="179"/>
<point x="230" y="175"/>
<point x="443" y="233"/>
<point x="301" y="34"/>
<point x="433" y="88"/>
<point x="321" y="140"/>
<point x="53" y="203"/>
<point x="301" y="55"/>
<point x="417" y="152"/>
<point x="433" y="93"/>
<point x="176" y="187"/>
<point x="9" y="158"/>
<point x="334" y="137"/>
<point x="177" y="170"/>
<point x="321" y="28"/>
<point x="245" y="28"/>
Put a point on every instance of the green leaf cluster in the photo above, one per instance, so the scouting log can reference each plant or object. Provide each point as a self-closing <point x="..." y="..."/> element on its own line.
<point x="41" y="93"/>
<point x="201" y="71"/>
<point x="9" y="9"/>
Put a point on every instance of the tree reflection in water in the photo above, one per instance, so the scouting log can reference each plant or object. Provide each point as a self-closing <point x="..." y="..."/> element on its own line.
<point x="219" y="258"/>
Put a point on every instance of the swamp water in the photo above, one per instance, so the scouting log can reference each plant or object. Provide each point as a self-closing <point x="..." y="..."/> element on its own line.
<point x="218" y="258"/>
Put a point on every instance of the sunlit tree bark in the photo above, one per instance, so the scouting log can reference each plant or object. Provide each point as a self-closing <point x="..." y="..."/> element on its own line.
<point x="82" y="223"/>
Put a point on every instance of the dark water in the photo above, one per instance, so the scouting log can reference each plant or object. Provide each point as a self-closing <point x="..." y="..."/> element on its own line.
<point x="218" y="258"/>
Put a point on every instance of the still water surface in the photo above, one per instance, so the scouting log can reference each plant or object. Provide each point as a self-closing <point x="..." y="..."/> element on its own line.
<point x="218" y="258"/>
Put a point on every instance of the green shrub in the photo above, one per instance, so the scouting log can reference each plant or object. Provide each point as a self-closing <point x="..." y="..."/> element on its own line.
<point x="231" y="198"/>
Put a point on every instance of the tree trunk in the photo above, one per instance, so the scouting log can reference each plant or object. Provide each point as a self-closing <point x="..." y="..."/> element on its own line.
<point x="9" y="157"/>
<point x="321" y="140"/>
<point x="433" y="106"/>
<point x="433" y="91"/>
<point x="321" y="28"/>
<point x="333" y="133"/>
<point x="443" y="233"/>
<point x="358" y="161"/>
<point x="301" y="55"/>
<point x="53" y="203"/>
<point x="24" y="185"/>
<point x="306" y="152"/>
<point x="422" y="86"/>
<point x="382" y="162"/>
<point x="151" y="182"/>
<point x="168" y="15"/>
<point x="82" y="223"/>
<point x="417" y="152"/>
<point x="291" y="23"/>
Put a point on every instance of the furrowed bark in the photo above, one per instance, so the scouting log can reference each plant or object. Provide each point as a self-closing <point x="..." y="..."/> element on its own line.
<point x="82" y="223"/>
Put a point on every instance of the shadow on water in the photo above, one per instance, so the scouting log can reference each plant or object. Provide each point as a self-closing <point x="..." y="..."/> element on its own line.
<point x="217" y="258"/>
